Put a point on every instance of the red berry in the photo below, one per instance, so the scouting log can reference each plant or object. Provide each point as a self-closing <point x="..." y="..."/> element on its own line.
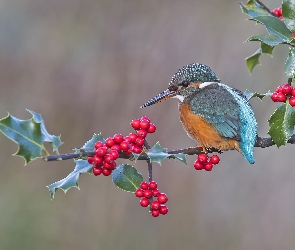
<point x="133" y="137"/>
<point x="147" y="193"/>
<point x="124" y="145"/>
<point x="162" y="198"/>
<point x="152" y="128"/>
<point x="214" y="159"/>
<point x="128" y="152"/>
<point x="136" y="149"/>
<point x="292" y="101"/>
<point x="156" y="192"/>
<point x="293" y="92"/>
<point x="144" y="202"/>
<point x="135" y="124"/>
<point x="127" y="139"/>
<point x="144" y="185"/>
<point x="280" y="13"/>
<point x="139" y="142"/>
<point x="108" y="166"/>
<point x="155" y="205"/>
<point x="274" y="96"/>
<point x="98" y="144"/>
<point x="281" y="97"/>
<point x="293" y="34"/>
<point x="97" y="171"/>
<point x="286" y="89"/>
<point x="144" y="125"/>
<point x="101" y="151"/>
<point x="279" y="89"/>
<point x="155" y="213"/>
<point x="276" y="12"/>
<point x="118" y="138"/>
<point x="198" y="165"/>
<point x="139" y="192"/>
<point x="108" y="158"/>
<point x="116" y="148"/>
<point x="97" y="160"/>
<point x="115" y="154"/>
<point x="202" y="158"/>
<point x="110" y="142"/>
<point x="153" y="185"/>
<point x="145" y="118"/>
<point x="141" y="133"/>
<point x="163" y="209"/>
<point x="208" y="166"/>
<point x="106" y="172"/>
<point x="90" y="159"/>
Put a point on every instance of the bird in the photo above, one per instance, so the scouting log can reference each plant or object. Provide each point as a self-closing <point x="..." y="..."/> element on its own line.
<point x="213" y="114"/>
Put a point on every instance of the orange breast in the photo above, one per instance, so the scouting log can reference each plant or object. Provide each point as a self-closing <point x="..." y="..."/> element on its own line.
<point x="203" y="132"/>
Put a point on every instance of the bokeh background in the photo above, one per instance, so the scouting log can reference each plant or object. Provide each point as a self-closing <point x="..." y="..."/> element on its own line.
<point x="87" y="66"/>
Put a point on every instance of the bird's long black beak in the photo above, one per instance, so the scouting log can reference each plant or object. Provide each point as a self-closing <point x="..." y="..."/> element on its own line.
<point x="160" y="97"/>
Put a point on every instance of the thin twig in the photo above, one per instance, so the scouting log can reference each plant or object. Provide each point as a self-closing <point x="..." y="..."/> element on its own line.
<point x="260" y="143"/>
<point x="265" y="7"/>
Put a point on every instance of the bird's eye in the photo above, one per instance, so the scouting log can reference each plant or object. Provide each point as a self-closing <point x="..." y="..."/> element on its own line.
<point x="185" y="84"/>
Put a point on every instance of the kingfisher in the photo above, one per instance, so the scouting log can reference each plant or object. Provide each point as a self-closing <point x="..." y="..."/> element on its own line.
<point x="212" y="113"/>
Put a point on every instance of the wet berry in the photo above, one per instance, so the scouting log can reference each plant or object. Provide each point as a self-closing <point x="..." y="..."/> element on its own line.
<point x="153" y="185"/>
<point x="152" y="128"/>
<point x="139" y="193"/>
<point x="214" y="159"/>
<point x="155" y="213"/>
<point x="135" y="124"/>
<point x="163" y="209"/>
<point x="162" y="198"/>
<point x="118" y="138"/>
<point x="202" y="158"/>
<point x="144" y="185"/>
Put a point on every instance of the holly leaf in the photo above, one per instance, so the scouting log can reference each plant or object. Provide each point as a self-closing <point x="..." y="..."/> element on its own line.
<point x="290" y="64"/>
<point x="254" y="9"/>
<point x="288" y="9"/>
<point x="270" y="40"/>
<point x="248" y="94"/>
<point x="275" y="26"/>
<point x="52" y="139"/>
<point x="281" y="124"/>
<point x="158" y="154"/>
<point x="127" y="177"/>
<point x="89" y="145"/>
<point x="82" y="166"/>
<point x="253" y="60"/>
<point x="29" y="135"/>
<point x="265" y="48"/>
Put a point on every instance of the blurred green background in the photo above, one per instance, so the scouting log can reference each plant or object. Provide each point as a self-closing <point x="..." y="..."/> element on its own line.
<point x="87" y="66"/>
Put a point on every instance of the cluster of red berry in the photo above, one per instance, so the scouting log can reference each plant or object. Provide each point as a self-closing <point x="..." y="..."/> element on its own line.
<point x="146" y="192"/>
<point x="106" y="153"/>
<point x="205" y="162"/>
<point x="278" y="12"/>
<point x="284" y="92"/>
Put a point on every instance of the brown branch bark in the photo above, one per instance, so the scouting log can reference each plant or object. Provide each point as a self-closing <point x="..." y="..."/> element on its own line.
<point x="260" y="143"/>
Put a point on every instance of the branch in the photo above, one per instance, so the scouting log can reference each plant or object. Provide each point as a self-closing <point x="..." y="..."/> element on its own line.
<point x="260" y="143"/>
<point x="265" y="7"/>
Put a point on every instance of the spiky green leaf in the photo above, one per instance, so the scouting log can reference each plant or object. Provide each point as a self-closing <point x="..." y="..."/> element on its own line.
<point x="270" y="40"/>
<point x="281" y="124"/>
<point x="158" y="154"/>
<point x="275" y="26"/>
<point x="250" y="95"/>
<point x="290" y="64"/>
<point x="253" y="9"/>
<point x="52" y="139"/>
<point x="253" y="60"/>
<point x="127" y="177"/>
<point x="26" y="133"/>
<point x="288" y="9"/>
<point x="265" y="48"/>
<point x="82" y="166"/>
<point x="89" y="145"/>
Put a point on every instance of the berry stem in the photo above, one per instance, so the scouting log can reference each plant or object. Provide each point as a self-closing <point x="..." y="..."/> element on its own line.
<point x="150" y="165"/>
<point x="265" y="7"/>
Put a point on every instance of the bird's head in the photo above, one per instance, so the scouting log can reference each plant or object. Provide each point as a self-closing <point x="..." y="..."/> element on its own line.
<point x="185" y="81"/>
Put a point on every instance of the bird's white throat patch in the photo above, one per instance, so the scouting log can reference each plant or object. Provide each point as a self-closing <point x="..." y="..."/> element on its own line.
<point x="179" y="97"/>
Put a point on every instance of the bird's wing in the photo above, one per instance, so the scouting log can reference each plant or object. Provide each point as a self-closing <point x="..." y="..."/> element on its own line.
<point x="219" y="108"/>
